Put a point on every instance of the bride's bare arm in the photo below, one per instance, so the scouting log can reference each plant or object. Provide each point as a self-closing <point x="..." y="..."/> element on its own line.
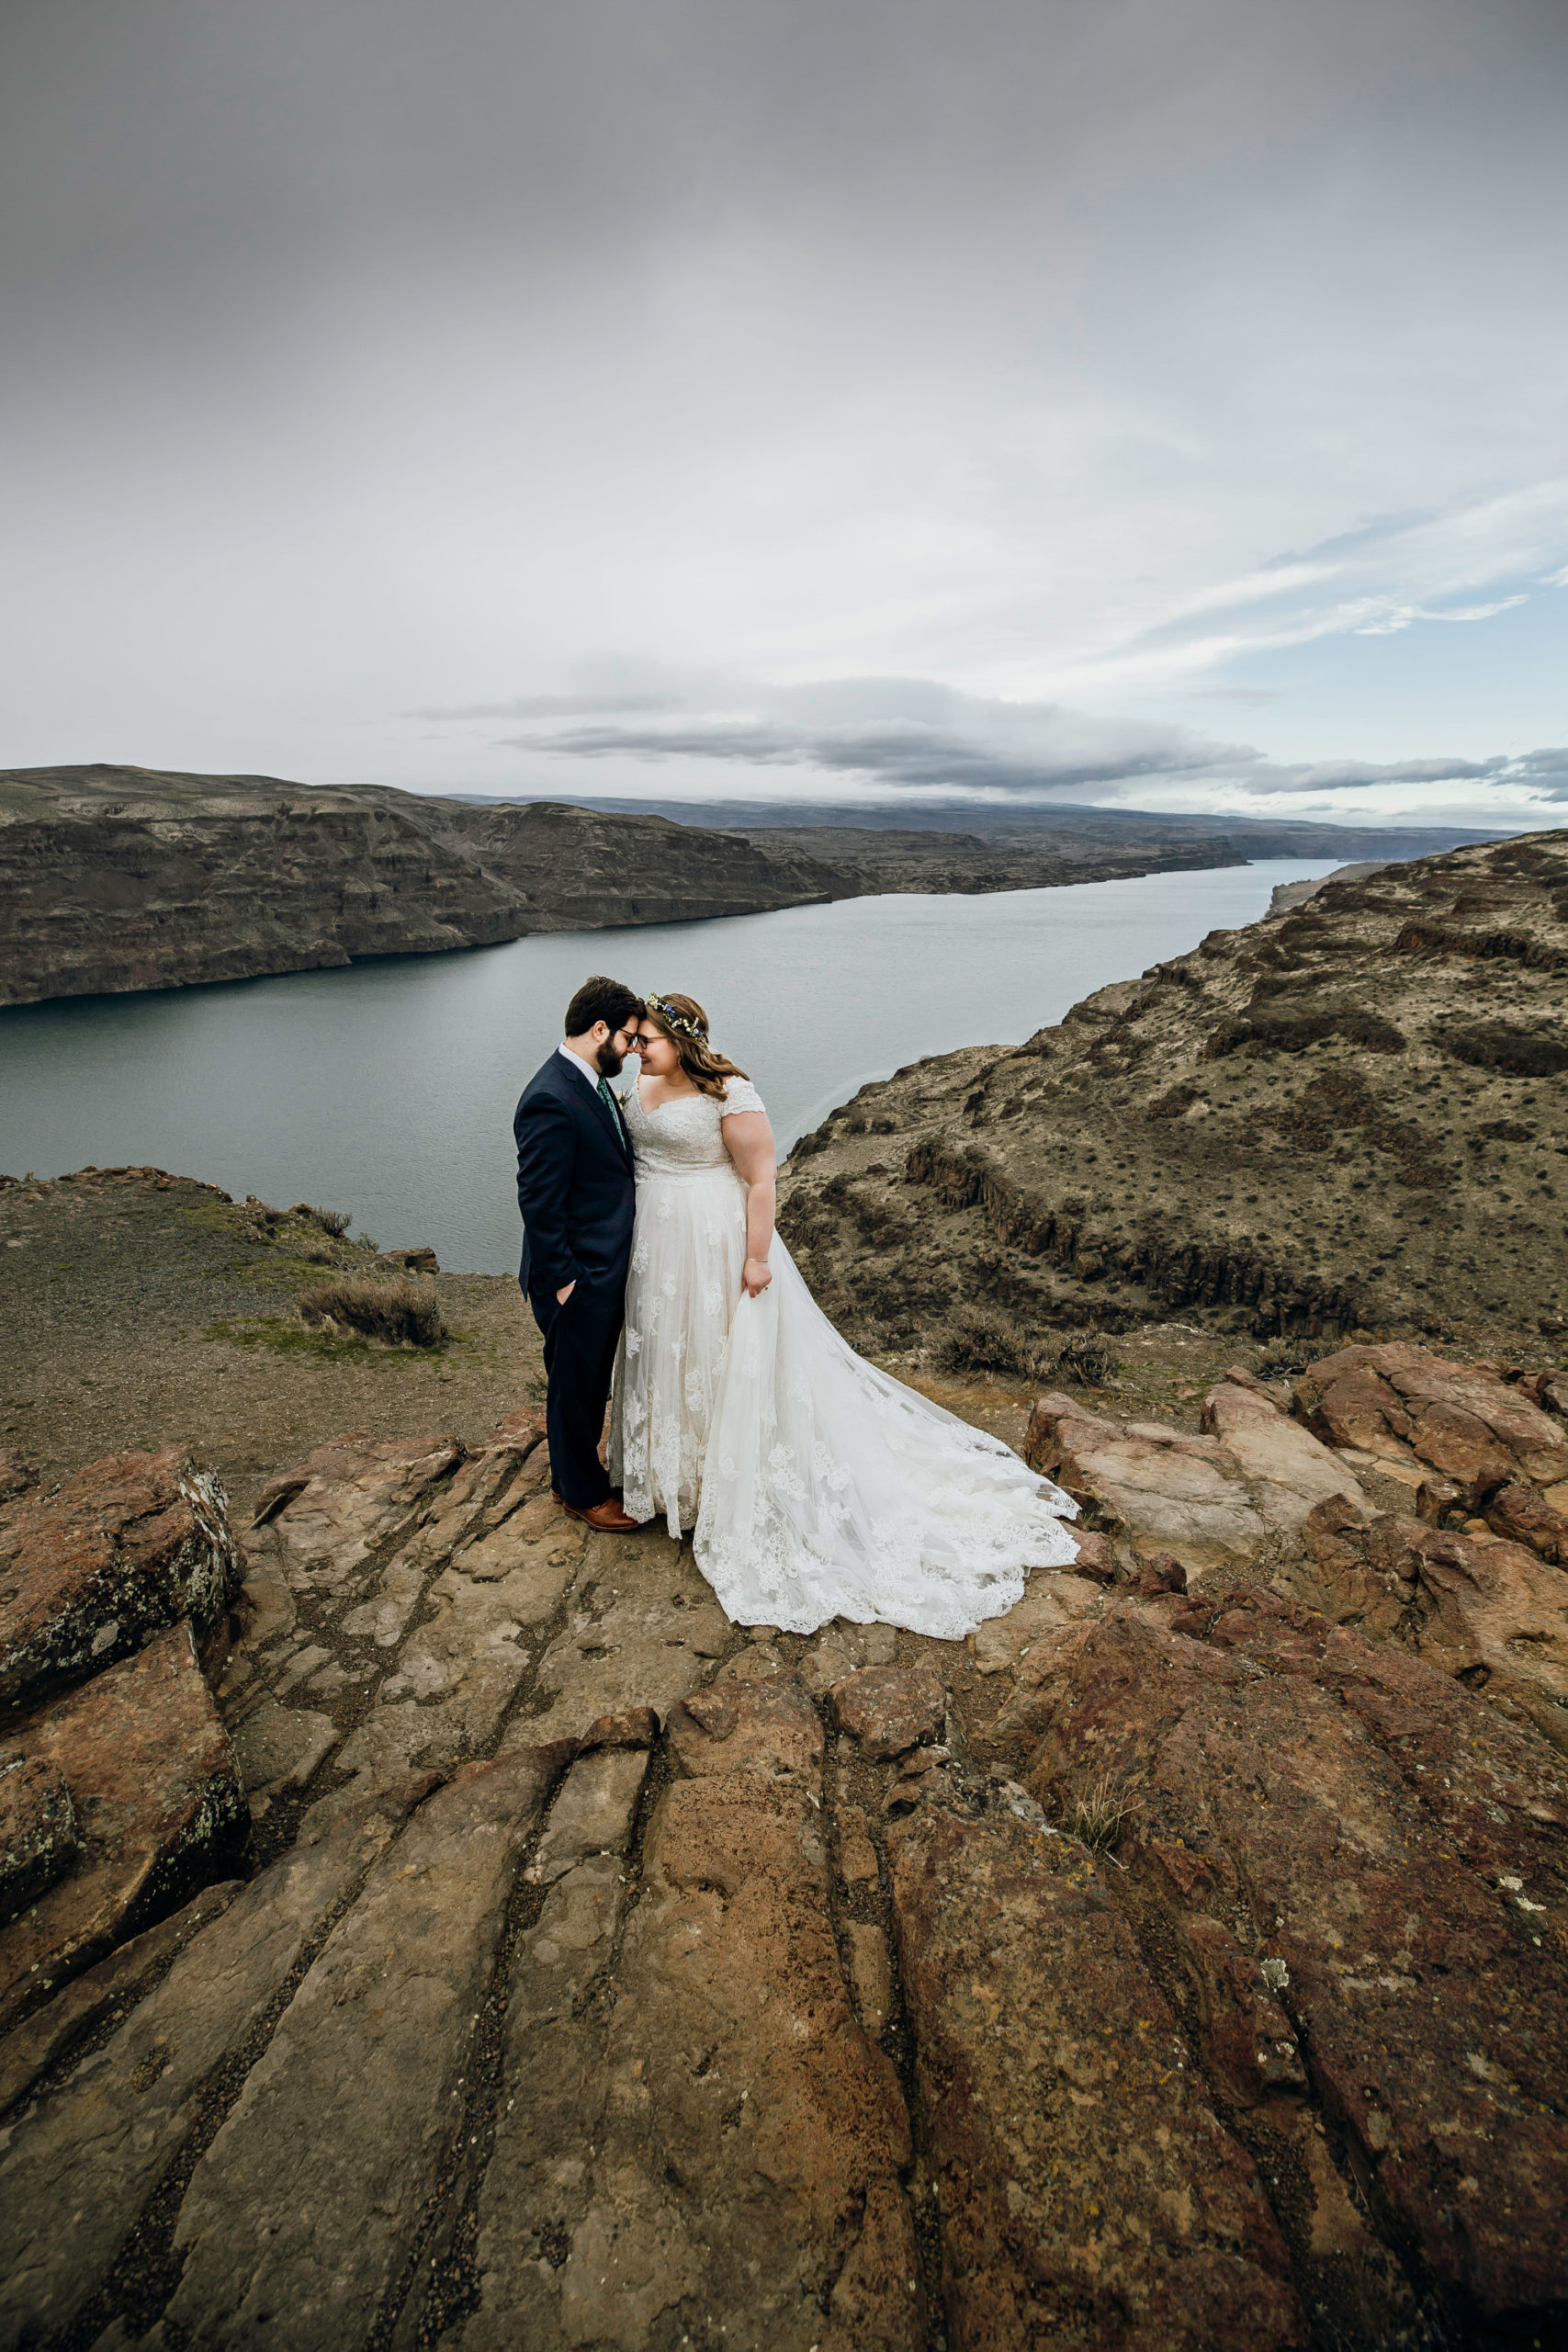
<point x="749" y="1139"/>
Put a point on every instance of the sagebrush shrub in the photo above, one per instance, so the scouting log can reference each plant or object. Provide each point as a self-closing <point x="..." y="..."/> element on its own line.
<point x="394" y="1310"/>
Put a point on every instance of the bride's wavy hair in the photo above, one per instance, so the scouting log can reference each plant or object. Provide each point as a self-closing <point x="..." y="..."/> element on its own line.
<point x="685" y="1024"/>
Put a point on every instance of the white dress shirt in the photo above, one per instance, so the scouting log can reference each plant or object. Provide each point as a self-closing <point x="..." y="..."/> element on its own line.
<point x="587" y="1068"/>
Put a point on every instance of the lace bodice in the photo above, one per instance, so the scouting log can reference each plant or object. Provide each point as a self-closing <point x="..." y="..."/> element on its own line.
<point x="686" y="1138"/>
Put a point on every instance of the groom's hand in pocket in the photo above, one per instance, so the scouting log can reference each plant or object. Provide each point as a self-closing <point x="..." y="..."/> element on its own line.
<point x="562" y="1295"/>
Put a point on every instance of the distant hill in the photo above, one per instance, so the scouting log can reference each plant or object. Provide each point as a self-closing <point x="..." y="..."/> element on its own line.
<point x="115" y="878"/>
<point x="1070" y="829"/>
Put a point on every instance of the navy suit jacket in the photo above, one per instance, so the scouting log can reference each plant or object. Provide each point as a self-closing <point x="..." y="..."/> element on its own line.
<point x="575" y="1185"/>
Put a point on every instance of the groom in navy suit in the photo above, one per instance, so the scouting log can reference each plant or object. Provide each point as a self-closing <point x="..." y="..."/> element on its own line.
<point x="577" y="1196"/>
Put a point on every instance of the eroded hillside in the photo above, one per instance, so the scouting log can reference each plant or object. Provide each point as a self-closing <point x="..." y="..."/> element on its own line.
<point x="115" y="878"/>
<point x="1353" y="1116"/>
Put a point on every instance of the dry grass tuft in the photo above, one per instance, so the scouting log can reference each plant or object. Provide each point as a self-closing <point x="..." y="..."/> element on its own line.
<point x="401" y="1312"/>
<point x="1086" y="1357"/>
<point x="1095" y="1817"/>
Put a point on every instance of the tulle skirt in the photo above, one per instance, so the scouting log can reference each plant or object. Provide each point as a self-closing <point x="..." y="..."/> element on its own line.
<point x="816" y="1485"/>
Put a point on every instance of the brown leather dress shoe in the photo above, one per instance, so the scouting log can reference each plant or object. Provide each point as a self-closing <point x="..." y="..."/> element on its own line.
<point x="607" y="1516"/>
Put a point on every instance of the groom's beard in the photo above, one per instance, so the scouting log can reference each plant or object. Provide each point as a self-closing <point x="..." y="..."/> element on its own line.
<point x="609" y="1061"/>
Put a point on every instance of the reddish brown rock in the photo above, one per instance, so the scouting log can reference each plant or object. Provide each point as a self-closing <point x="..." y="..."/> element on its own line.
<point x="630" y="1728"/>
<point x="158" y="1800"/>
<point x="1097" y="1556"/>
<point x="347" y="2124"/>
<point x="97" y="2145"/>
<point x="130" y="1544"/>
<point x="768" y="1727"/>
<point x="38" y="1837"/>
<point x="710" y="2152"/>
<point x="1432" y="2009"/>
<point x="890" y="1708"/>
<point x="1408" y="1405"/>
<point x="1085" y="2190"/>
<point x="1474" y="1605"/>
<point x="1519" y="1514"/>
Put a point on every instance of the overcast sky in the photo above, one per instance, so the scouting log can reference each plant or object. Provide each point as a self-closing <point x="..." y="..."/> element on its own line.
<point x="1160" y="402"/>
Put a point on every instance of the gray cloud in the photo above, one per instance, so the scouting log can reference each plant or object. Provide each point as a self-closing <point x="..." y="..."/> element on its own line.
<point x="368" y="363"/>
<point x="913" y="737"/>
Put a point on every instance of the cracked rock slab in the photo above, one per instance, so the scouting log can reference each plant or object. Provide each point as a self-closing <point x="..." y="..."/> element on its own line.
<point x="713" y="2154"/>
<point x="96" y="2145"/>
<point x="308" y="2195"/>
<point x="645" y="1631"/>
<point x="279" y="1745"/>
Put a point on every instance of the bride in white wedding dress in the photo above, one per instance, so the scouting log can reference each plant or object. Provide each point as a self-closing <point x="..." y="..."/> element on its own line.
<point x="817" y="1486"/>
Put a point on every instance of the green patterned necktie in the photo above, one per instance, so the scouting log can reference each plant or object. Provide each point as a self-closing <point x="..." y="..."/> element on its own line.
<point x="609" y="1102"/>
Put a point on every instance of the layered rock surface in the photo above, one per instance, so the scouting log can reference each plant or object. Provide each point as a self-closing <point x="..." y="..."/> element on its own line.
<point x="117" y="878"/>
<point x="1351" y="1116"/>
<point x="1183" y="1961"/>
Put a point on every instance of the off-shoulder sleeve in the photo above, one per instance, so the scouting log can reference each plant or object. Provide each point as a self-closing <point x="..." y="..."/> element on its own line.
<point x="739" y="1095"/>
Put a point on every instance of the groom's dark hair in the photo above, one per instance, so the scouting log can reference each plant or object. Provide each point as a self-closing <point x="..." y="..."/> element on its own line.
<point x="602" y="999"/>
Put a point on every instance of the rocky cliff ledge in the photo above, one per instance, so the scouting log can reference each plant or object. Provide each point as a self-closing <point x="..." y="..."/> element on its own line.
<point x="1181" y="1962"/>
<point x="1351" y="1116"/>
<point x="121" y="878"/>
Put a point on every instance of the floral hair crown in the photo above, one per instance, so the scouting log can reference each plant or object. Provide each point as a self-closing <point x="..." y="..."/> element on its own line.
<point x="682" y="1026"/>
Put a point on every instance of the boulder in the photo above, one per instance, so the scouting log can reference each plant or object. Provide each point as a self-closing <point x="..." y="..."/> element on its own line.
<point x="130" y="1544"/>
<point x="158" y="1800"/>
<point x="1406" y="1405"/>
<point x="1053" y="1599"/>
<point x="1522" y="1516"/>
<point x="1475" y="1606"/>
<point x="38" y="1837"/>
<point x="1288" y="1470"/>
<point x="1213" y="1500"/>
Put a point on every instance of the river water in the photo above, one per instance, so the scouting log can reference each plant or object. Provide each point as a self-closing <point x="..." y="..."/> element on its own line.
<point x="386" y="1088"/>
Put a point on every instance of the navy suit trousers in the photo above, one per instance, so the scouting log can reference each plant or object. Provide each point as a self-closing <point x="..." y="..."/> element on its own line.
<point x="581" y="1338"/>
